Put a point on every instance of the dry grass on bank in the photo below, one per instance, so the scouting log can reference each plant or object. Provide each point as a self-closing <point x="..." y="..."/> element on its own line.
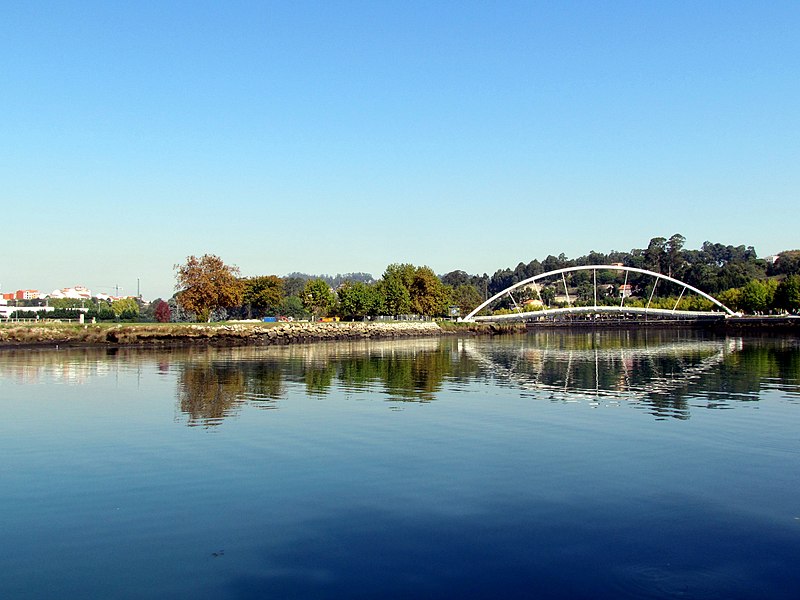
<point x="76" y="334"/>
<point x="13" y="334"/>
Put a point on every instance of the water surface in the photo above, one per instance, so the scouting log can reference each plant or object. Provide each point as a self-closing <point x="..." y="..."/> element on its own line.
<point x="588" y="465"/>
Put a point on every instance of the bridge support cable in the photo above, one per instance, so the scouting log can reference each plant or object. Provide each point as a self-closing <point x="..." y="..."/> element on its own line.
<point x="594" y="273"/>
<point x="566" y="291"/>
<point x="652" y="292"/>
<point x="622" y="290"/>
<point x="519" y="310"/>
<point x="674" y="308"/>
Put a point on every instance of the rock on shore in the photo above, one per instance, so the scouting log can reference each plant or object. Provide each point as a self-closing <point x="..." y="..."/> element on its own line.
<point x="286" y="333"/>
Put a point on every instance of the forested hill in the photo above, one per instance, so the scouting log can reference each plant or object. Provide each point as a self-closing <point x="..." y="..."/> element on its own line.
<point x="334" y="281"/>
<point x="713" y="268"/>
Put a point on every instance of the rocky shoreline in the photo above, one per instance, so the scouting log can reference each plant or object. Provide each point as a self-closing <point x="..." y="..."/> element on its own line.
<point x="228" y="334"/>
<point x="54" y="335"/>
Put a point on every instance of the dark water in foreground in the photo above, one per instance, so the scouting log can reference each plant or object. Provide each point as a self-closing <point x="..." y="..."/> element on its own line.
<point x="548" y="466"/>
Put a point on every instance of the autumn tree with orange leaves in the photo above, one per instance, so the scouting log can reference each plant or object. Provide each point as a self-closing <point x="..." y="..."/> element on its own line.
<point x="205" y="284"/>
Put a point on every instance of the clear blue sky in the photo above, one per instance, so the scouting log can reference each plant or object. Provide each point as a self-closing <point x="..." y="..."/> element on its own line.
<point x="330" y="137"/>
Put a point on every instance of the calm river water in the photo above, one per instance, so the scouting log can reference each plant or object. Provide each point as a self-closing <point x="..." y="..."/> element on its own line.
<point x="556" y="465"/>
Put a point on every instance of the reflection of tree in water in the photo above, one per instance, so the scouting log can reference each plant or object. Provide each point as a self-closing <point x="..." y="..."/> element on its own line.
<point x="263" y="383"/>
<point x="213" y="385"/>
<point x="209" y="392"/>
<point x="414" y="378"/>
<point x="406" y="373"/>
<point x="408" y="370"/>
<point x="360" y="373"/>
<point x="409" y="375"/>
<point x="319" y="378"/>
<point x="787" y="363"/>
<point x="663" y="372"/>
<point x="760" y="363"/>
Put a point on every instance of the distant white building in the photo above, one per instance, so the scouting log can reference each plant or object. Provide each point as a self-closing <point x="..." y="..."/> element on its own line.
<point x="78" y="292"/>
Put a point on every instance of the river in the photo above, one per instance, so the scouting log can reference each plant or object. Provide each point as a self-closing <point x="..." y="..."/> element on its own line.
<point x="660" y="464"/>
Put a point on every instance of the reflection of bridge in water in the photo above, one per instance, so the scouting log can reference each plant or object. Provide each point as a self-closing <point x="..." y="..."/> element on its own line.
<point x="627" y="373"/>
<point x="596" y="308"/>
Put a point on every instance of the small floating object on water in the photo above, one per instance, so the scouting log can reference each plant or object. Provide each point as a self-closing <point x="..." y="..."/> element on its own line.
<point x="218" y="553"/>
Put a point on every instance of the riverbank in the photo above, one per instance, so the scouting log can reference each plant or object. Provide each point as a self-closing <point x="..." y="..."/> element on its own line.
<point x="228" y="334"/>
<point x="52" y="335"/>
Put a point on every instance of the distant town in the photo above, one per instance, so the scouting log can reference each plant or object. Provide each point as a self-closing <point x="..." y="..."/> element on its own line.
<point x="78" y="293"/>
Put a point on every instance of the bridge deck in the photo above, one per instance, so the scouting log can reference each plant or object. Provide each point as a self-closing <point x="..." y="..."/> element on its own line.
<point x="603" y="310"/>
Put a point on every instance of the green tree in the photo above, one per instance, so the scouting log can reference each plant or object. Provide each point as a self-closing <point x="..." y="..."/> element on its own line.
<point x="102" y="312"/>
<point x="732" y="298"/>
<point x="147" y="311"/>
<point x="292" y="306"/>
<point x="66" y="303"/>
<point x="207" y="283"/>
<point x="293" y="286"/>
<point x="466" y="297"/>
<point x="456" y="278"/>
<point x="317" y="297"/>
<point x="757" y="296"/>
<point x="788" y="263"/>
<point x="428" y="294"/>
<point x="404" y="272"/>
<point x="262" y="295"/>
<point x="787" y="294"/>
<point x="586" y="292"/>
<point x="548" y="295"/>
<point x="673" y="249"/>
<point x="125" y="308"/>
<point x="394" y="295"/>
<point x="655" y="256"/>
<point x="357" y="299"/>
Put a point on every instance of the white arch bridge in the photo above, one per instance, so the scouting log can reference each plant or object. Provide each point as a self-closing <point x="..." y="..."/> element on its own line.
<point x="719" y="312"/>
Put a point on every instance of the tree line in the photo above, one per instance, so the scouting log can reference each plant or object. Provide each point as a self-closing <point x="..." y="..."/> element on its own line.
<point x="208" y="289"/>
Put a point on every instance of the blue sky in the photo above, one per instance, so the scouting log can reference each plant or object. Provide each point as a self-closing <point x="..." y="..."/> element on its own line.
<point x="330" y="137"/>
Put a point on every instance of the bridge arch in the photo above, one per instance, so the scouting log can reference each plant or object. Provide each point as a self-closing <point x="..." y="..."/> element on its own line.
<point x="608" y="309"/>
